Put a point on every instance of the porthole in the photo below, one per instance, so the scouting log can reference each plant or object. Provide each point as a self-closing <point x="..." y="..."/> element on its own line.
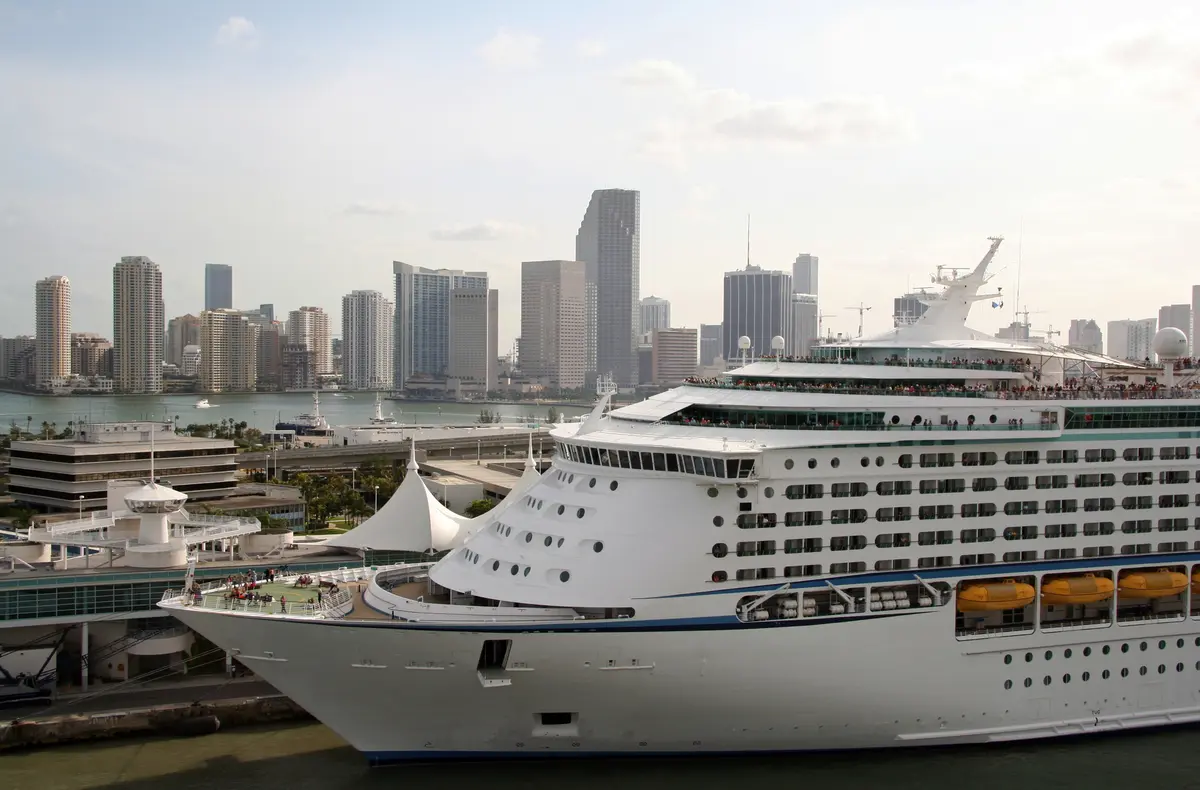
<point x="613" y="486"/>
<point x="1049" y="654"/>
<point x="812" y="464"/>
<point x="917" y="420"/>
<point x="515" y="569"/>
<point x="597" y="547"/>
<point x="1066" y="678"/>
<point x="1179" y="643"/>
<point x="789" y="463"/>
<point x="1007" y="685"/>
<point x="1028" y="657"/>
<point x="564" y="577"/>
<point x="1046" y="680"/>
<point x="1162" y="668"/>
<point x="1107" y="649"/>
<point x="1028" y="682"/>
<point x="768" y="492"/>
<point x="879" y="460"/>
<point x="562" y="509"/>
<point x="579" y="513"/>
<point x="742" y="493"/>
<point x="1125" y="672"/>
<point x="495" y="565"/>
<point x="1179" y="667"/>
<point x="1008" y="659"/>
<point x="1144" y="647"/>
<point x="1087" y="651"/>
<point x="1142" y="671"/>
<point x="528" y="537"/>
<point x="865" y="462"/>
<point x="712" y="492"/>
<point x="719" y="550"/>
<point x="1198" y="665"/>
<point x="592" y="483"/>
<point x="719" y="576"/>
<point x="992" y="418"/>
<point x="526" y="571"/>
<point x="895" y="419"/>
<point x="1085" y="677"/>
<point x="835" y="462"/>
<point x="1104" y="675"/>
<point x="548" y="541"/>
<point x="718" y="521"/>
<point x="1067" y="653"/>
<point x="1125" y="648"/>
<point x="1162" y="644"/>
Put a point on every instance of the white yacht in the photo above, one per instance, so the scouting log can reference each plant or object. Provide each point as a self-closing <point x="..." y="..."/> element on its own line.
<point x="929" y="537"/>
<point x="202" y="404"/>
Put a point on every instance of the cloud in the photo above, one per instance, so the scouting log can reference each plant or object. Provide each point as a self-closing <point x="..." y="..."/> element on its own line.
<point x="693" y="118"/>
<point x="366" y="208"/>
<point x="237" y="32"/>
<point x="510" y="49"/>
<point x="488" y="230"/>
<point x="590" y="48"/>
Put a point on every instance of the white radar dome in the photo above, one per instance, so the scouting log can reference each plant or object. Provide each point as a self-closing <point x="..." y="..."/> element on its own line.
<point x="777" y="343"/>
<point x="1170" y="343"/>
<point x="744" y="342"/>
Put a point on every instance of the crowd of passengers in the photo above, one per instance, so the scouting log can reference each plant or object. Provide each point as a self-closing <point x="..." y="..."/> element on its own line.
<point x="895" y="360"/>
<point x="246" y="587"/>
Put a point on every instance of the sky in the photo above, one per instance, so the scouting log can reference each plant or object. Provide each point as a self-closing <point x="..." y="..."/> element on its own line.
<point x="310" y="144"/>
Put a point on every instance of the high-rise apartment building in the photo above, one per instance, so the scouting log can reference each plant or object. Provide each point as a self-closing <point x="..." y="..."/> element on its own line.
<point x="656" y="314"/>
<point x="297" y="367"/>
<point x="218" y="286"/>
<point x="368" y="325"/>
<point x="182" y="331"/>
<point x="1132" y="339"/>
<point x="907" y="309"/>
<point x="17" y="355"/>
<point x="1085" y="335"/>
<point x="553" y="315"/>
<point x="474" y="341"/>
<point x="228" y="352"/>
<point x="1178" y="316"/>
<point x="137" y="325"/>
<point x="271" y="338"/>
<point x="422" y="339"/>
<point x="805" y="323"/>
<point x="673" y="355"/>
<point x="267" y="311"/>
<point x="804" y="274"/>
<point x="609" y="242"/>
<point x="758" y="305"/>
<point x="91" y="355"/>
<point x="309" y="327"/>
<point x="711" y="347"/>
<point x="190" y="366"/>
<point x="53" y="339"/>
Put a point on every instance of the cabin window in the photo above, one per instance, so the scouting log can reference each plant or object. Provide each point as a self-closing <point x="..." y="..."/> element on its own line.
<point x="1133" y="527"/>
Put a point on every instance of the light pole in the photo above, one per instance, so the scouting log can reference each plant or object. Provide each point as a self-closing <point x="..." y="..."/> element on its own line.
<point x="376" y="499"/>
<point x="81" y="507"/>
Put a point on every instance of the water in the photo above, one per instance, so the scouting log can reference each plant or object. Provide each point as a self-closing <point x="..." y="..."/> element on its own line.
<point x="310" y="757"/>
<point x="260" y="411"/>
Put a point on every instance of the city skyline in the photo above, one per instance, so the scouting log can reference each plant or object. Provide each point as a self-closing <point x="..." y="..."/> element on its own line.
<point x="798" y="125"/>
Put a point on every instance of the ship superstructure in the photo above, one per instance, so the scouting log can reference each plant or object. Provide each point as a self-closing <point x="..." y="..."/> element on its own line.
<point x="925" y="537"/>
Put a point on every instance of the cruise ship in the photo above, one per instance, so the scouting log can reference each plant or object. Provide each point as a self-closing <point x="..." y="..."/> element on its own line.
<point x="929" y="537"/>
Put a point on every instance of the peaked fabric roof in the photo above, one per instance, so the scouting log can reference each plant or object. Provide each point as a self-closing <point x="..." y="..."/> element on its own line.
<point x="414" y="520"/>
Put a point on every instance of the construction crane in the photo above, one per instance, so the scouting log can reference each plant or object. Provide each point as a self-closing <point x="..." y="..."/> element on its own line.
<point x="861" y="309"/>
<point x="821" y="322"/>
<point x="1050" y="332"/>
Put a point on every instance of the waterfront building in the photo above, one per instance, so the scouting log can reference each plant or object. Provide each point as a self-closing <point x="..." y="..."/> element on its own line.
<point x="228" y="352"/>
<point x="422" y="337"/>
<point x="192" y="358"/>
<point x="655" y="314"/>
<point x="91" y="355"/>
<point x="673" y="355"/>
<point x="1178" y="316"/>
<point x="270" y="356"/>
<point x="297" y="367"/>
<point x="182" y="331"/>
<point x="758" y="305"/>
<point x="309" y="327"/>
<point x="65" y="474"/>
<point x="137" y="326"/>
<point x="1132" y="339"/>
<point x="805" y="324"/>
<point x="267" y="311"/>
<point x="53" y="322"/>
<point x="368" y="326"/>
<point x="609" y="242"/>
<point x="1085" y="335"/>
<point x="474" y="341"/>
<point x="17" y="356"/>
<point x="553" y="322"/>
<point x="711" y="347"/>
<point x="218" y="286"/>
<point x="804" y="274"/>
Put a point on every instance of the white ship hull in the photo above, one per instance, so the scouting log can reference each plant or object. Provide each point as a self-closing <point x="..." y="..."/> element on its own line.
<point x="399" y="692"/>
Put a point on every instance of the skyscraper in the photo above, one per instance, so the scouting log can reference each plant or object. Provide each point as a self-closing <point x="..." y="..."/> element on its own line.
<point x="368" y="322"/>
<point x="137" y="325"/>
<point x="218" y="286"/>
<point x="1132" y="339"/>
<point x="1085" y="335"/>
<point x="672" y="356"/>
<point x="609" y="242"/>
<point x="474" y="345"/>
<point x="553" y="332"/>
<point x="804" y="274"/>
<point x="228" y="352"/>
<point x="656" y="314"/>
<point x="91" y="355"/>
<point x="422" y="341"/>
<point x="711" y="347"/>
<point x="182" y="331"/>
<point x="53" y="338"/>
<point x="1178" y="316"/>
<point x="309" y="327"/>
<point x="805" y="323"/>
<point x="758" y="305"/>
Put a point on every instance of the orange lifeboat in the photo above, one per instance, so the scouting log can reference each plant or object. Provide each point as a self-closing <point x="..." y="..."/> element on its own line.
<point x="1088" y="588"/>
<point x="1152" y="584"/>
<point x="1196" y="582"/>
<point x="995" y="596"/>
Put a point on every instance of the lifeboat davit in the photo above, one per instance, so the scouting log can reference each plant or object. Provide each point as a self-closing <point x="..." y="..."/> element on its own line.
<point x="995" y="596"/>
<point x="1088" y="588"/>
<point x="1152" y="584"/>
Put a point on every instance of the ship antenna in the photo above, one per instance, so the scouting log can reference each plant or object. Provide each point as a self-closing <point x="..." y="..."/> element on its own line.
<point x="152" y="458"/>
<point x="1017" y="296"/>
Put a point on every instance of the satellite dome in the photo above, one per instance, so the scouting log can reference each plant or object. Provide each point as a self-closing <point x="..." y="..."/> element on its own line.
<point x="1170" y="343"/>
<point x="777" y="343"/>
<point x="744" y="342"/>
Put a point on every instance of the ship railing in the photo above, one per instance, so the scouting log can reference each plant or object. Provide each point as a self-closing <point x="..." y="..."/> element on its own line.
<point x="1089" y="622"/>
<point x="93" y="521"/>
<point x="982" y="633"/>
<point x="1156" y="617"/>
<point x="1114" y="393"/>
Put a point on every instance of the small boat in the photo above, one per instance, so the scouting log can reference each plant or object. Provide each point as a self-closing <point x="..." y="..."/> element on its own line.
<point x="1088" y="588"/>
<point x="995" y="596"/>
<point x="203" y="404"/>
<point x="1152" y="584"/>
